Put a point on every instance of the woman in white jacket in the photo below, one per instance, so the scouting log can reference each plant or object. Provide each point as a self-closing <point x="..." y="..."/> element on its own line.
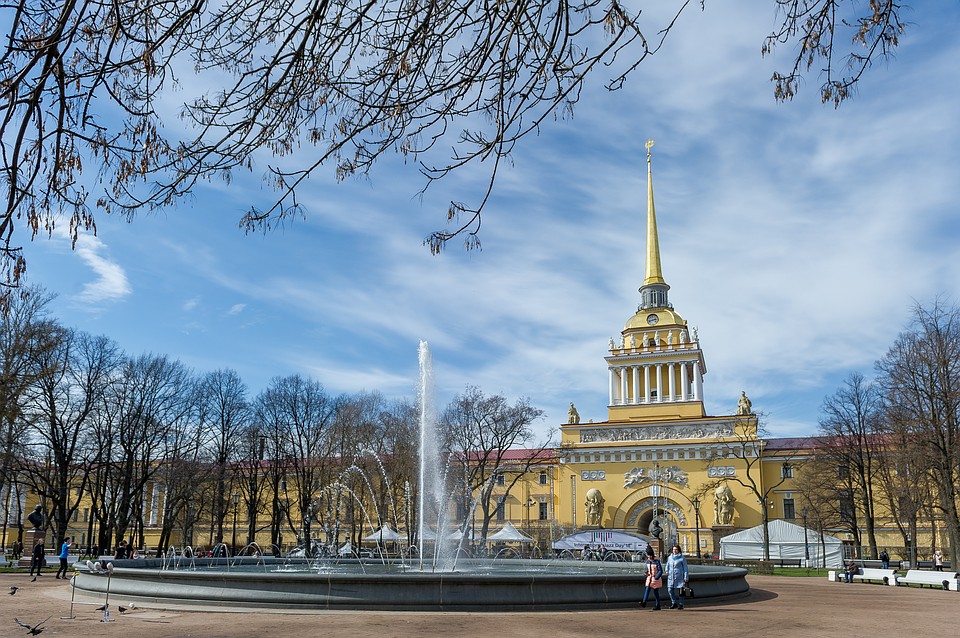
<point x="677" y="576"/>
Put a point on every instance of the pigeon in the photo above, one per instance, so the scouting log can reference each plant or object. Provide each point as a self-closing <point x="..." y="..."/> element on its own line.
<point x="13" y="589"/>
<point x="122" y="609"/>
<point x="102" y="607"/>
<point x="35" y="629"/>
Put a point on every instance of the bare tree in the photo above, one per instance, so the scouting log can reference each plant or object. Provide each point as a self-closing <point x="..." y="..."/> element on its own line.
<point x="223" y="420"/>
<point x="921" y="378"/>
<point x="27" y="336"/>
<point x="62" y="407"/>
<point x="303" y="414"/>
<point x="479" y="432"/>
<point x="816" y="27"/>
<point x="849" y="427"/>
<point x="745" y="444"/>
<point x="83" y="84"/>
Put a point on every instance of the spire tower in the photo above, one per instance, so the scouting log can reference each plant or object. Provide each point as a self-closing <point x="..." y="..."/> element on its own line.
<point x="653" y="292"/>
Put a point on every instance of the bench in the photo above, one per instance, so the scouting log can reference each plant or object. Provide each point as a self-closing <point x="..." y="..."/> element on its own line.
<point x="944" y="580"/>
<point x="783" y="562"/>
<point x="885" y="576"/>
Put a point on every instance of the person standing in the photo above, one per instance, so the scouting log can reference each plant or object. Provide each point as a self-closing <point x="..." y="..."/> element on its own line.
<point x="36" y="558"/>
<point x="677" y="577"/>
<point x="654" y="572"/>
<point x="121" y="552"/>
<point x="884" y="559"/>
<point x="938" y="561"/>
<point x="64" y="555"/>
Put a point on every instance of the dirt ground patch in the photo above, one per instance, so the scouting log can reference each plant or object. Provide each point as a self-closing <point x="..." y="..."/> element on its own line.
<point x="778" y="606"/>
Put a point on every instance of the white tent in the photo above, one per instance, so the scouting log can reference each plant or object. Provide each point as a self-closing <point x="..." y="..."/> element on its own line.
<point x="786" y="542"/>
<point x="383" y="535"/>
<point x="612" y="540"/>
<point x="509" y="534"/>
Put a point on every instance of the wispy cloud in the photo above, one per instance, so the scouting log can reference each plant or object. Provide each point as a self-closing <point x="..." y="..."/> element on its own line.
<point x="111" y="282"/>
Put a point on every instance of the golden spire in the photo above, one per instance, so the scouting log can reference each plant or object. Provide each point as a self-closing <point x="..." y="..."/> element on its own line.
<point x="654" y="273"/>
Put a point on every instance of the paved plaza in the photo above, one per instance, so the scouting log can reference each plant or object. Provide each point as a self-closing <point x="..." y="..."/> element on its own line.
<point x="778" y="606"/>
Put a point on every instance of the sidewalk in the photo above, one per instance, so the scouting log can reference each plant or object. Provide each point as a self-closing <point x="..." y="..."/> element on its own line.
<point x="779" y="606"/>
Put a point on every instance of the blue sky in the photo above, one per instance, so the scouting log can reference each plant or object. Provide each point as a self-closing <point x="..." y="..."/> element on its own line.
<point x="795" y="237"/>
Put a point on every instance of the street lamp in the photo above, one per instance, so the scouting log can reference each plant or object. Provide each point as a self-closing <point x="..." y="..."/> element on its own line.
<point x="696" y="510"/>
<point x="236" y="501"/>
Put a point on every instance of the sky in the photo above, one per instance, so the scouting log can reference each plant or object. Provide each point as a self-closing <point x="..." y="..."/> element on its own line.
<point x="795" y="237"/>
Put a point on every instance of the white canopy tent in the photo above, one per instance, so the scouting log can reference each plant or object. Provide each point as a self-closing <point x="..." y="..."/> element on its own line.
<point x="383" y="535"/>
<point x="612" y="540"/>
<point x="786" y="543"/>
<point x="509" y="534"/>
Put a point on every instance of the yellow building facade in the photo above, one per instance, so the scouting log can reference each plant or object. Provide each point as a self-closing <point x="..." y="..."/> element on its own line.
<point x="659" y="456"/>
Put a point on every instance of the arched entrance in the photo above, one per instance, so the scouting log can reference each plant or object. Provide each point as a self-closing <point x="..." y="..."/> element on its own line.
<point x="671" y="517"/>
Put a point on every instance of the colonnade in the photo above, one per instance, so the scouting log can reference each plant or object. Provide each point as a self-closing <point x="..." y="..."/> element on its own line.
<point x="644" y="383"/>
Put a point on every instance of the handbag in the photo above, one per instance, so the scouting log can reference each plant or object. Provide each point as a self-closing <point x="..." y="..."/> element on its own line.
<point x="687" y="591"/>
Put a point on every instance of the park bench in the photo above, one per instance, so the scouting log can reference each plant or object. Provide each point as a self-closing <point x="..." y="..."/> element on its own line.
<point x="945" y="580"/>
<point x="885" y="576"/>
<point x="785" y="562"/>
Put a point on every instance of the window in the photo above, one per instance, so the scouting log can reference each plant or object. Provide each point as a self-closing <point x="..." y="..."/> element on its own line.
<point x="500" y="509"/>
<point x="501" y="479"/>
<point x="543" y="511"/>
<point x="789" y="508"/>
<point x="786" y="472"/>
<point x="543" y="478"/>
<point x="843" y="471"/>
<point x="846" y="505"/>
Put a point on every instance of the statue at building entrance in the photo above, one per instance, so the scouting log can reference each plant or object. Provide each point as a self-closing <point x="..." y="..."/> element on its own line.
<point x="594" y="507"/>
<point x="723" y="505"/>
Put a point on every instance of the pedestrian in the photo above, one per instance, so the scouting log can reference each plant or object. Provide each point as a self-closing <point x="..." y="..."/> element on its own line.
<point x="677" y="577"/>
<point x="601" y="553"/>
<point x="938" y="561"/>
<point x="884" y="559"/>
<point x="850" y="571"/>
<point x="64" y="555"/>
<point x="586" y="554"/>
<point x="18" y="549"/>
<point x="36" y="558"/>
<point x="654" y="572"/>
<point x="121" y="552"/>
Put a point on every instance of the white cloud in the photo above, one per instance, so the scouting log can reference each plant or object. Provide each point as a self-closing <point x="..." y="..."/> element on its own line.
<point x="111" y="283"/>
<point x="236" y="309"/>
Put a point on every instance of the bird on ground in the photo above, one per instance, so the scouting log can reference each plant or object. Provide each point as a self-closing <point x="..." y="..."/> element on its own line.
<point x="122" y="609"/>
<point x="13" y="589"/>
<point x="35" y="629"/>
<point x="103" y="607"/>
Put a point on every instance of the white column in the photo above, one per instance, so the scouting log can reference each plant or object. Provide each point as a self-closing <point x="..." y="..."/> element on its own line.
<point x="683" y="381"/>
<point x="671" y="384"/>
<point x="623" y="385"/>
<point x="659" y="382"/>
<point x="613" y="386"/>
<point x="636" y="384"/>
<point x="697" y="382"/>
<point x="646" y="384"/>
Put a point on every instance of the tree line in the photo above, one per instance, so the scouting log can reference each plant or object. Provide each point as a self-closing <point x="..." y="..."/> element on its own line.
<point x="86" y="425"/>
<point x="892" y="444"/>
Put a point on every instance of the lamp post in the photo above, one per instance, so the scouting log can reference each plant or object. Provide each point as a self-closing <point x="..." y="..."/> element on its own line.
<point x="696" y="510"/>
<point x="236" y="501"/>
<point x="806" y="545"/>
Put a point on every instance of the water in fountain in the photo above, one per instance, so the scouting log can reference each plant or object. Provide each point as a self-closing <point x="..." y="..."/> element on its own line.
<point x="481" y="585"/>
<point x="432" y="491"/>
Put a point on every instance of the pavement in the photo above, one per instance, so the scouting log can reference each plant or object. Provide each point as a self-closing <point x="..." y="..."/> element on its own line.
<point x="778" y="606"/>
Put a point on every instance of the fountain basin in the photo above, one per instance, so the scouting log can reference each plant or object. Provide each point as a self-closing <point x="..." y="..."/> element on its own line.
<point x="477" y="585"/>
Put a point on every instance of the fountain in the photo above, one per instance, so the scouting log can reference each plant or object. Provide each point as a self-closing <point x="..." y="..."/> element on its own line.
<point x="440" y="583"/>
